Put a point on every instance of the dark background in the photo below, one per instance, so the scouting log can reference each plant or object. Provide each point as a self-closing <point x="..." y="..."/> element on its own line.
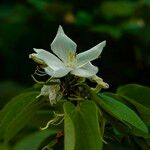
<point x="28" y="24"/>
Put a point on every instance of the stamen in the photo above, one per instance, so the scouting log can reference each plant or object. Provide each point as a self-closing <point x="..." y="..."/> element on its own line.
<point x="48" y="124"/>
<point x="39" y="72"/>
<point x="71" y="59"/>
<point x="54" y="120"/>
<point x="38" y="69"/>
<point x="39" y="82"/>
<point x="58" y="122"/>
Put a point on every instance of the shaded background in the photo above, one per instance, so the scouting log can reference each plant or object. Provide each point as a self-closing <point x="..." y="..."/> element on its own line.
<point x="28" y="24"/>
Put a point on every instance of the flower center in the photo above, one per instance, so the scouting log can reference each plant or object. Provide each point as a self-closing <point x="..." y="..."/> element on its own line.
<point x="71" y="60"/>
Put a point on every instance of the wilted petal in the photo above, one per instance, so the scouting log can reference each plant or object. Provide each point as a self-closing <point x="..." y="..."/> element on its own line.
<point x="86" y="70"/>
<point x="50" y="59"/>
<point x="44" y="91"/>
<point x="89" y="55"/>
<point x="57" y="73"/>
<point x="53" y="93"/>
<point x="52" y="97"/>
<point x="63" y="46"/>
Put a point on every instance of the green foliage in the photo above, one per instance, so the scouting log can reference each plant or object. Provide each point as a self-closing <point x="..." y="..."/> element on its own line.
<point x="17" y="113"/>
<point x="81" y="127"/>
<point x="34" y="140"/>
<point x="138" y="96"/>
<point x="114" y="31"/>
<point x="116" y="146"/>
<point x="4" y="146"/>
<point x="120" y="119"/>
<point x="136" y="92"/>
<point x="121" y="112"/>
<point x="7" y="91"/>
<point x="112" y="9"/>
<point x="86" y="122"/>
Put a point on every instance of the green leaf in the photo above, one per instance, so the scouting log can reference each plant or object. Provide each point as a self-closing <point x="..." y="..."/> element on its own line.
<point x="4" y="146"/>
<point x="138" y="96"/>
<point x="136" y="92"/>
<point x="134" y="131"/>
<point x="70" y="136"/>
<point x="120" y="111"/>
<point x="34" y="140"/>
<point x="17" y="113"/>
<point x="140" y="133"/>
<point x="82" y="127"/>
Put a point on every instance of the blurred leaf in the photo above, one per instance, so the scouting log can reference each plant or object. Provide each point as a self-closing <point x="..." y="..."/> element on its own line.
<point x="39" y="4"/>
<point x="83" y="18"/>
<point x="17" y="113"/>
<point x="115" y="32"/>
<point x="133" y="25"/>
<point x="138" y="96"/>
<point x="120" y="111"/>
<point x="140" y="133"/>
<point x="4" y="146"/>
<point x="5" y="11"/>
<point x="9" y="89"/>
<point x="147" y="2"/>
<point x="111" y="9"/>
<point x="116" y="146"/>
<point x="81" y="127"/>
<point x="34" y="140"/>
<point x="142" y="143"/>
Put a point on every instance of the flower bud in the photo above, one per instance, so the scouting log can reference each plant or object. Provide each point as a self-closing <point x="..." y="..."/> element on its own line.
<point x="36" y="59"/>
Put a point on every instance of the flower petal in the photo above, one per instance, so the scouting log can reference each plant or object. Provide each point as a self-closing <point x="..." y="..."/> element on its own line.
<point x="63" y="46"/>
<point x="87" y="70"/>
<point x="50" y="59"/>
<point x="89" y="55"/>
<point x="57" y="73"/>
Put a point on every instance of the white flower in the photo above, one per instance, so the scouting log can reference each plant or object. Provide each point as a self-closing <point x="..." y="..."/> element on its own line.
<point x="67" y="60"/>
